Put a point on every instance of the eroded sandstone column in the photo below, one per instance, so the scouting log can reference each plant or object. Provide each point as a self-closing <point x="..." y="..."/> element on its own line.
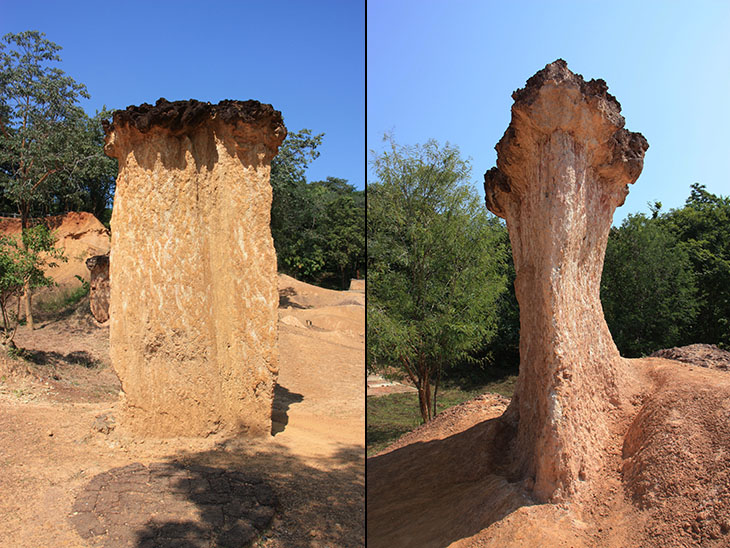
<point x="563" y="167"/>
<point x="193" y="269"/>
<point x="99" y="288"/>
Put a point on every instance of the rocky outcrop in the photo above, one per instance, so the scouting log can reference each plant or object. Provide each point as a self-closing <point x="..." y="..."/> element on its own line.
<point x="99" y="287"/>
<point x="193" y="268"/>
<point x="563" y="167"/>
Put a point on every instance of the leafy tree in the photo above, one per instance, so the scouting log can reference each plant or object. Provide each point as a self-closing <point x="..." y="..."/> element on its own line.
<point x="339" y="221"/>
<point x="91" y="186"/>
<point x="703" y="225"/>
<point x="40" y="120"/>
<point x="434" y="259"/>
<point x="289" y="205"/>
<point x="648" y="288"/>
<point x="318" y="228"/>
<point x="22" y="266"/>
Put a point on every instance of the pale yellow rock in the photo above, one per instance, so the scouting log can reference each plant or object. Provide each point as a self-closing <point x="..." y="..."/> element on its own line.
<point x="193" y="267"/>
<point x="563" y="167"/>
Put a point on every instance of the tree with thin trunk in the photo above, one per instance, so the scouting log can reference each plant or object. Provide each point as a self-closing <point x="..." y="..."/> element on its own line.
<point x="22" y="265"/>
<point x="39" y="118"/>
<point x="435" y="265"/>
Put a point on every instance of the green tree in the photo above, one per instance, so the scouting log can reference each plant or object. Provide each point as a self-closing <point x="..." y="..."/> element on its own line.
<point x="290" y="208"/>
<point x="703" y="225"/>
<point x="434" y="259"/>
<point x="90" y="186"/>
<point x="39" y="126"/>
<point x="22" y="266"/>
<point x="338" y="221"/>
<point x="648" y="289"/>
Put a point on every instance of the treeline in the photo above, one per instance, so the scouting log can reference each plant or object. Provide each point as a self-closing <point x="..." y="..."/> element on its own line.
<point x="51" y="151"/>
<point x="441" y="301"/>
<point x="666" y="278"/>
<point x="52" y="161"/>
<point x="318" y="227"/>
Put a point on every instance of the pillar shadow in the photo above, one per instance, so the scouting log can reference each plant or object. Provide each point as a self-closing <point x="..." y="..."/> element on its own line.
<point x="283" y="398"/>
<point x="314" y="505"/>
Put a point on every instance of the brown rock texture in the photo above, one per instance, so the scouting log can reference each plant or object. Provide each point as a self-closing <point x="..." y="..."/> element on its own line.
<point x="99" y="287"/>
<point x="563" y="167"/>
<point x="193" y="268"/>
<point x="78" y="233"/>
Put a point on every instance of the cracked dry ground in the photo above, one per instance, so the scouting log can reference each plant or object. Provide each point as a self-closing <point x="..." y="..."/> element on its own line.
<point x="70" y="478"/>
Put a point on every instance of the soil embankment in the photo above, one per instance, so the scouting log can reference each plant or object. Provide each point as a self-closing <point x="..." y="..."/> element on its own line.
<point x="79" y="234"/>
<point x="666" y="481"/>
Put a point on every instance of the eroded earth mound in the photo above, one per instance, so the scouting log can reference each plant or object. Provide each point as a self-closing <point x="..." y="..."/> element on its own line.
<point x="701" y="355"/>
<point x="666" y="482"/>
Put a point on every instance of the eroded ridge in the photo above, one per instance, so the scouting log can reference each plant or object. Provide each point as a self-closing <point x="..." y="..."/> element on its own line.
<point x="563" y="166"/>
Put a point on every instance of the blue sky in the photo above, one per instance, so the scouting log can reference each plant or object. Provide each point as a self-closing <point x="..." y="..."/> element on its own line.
<point x="446" y="70"/>
<point x="307" y="59"/>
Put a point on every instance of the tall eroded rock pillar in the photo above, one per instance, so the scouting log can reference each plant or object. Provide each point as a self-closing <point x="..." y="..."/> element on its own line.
<point x="193" y="269"/>
<point x="563" y="167"/>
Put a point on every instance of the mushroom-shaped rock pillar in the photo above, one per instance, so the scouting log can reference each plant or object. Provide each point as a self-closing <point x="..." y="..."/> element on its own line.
<point x="563" y="167"/>
<point x="194" y="295"/>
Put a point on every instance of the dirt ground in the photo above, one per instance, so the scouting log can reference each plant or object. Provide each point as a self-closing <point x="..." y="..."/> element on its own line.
<point x="665" y="482"/>
<point x="58" y="432"/>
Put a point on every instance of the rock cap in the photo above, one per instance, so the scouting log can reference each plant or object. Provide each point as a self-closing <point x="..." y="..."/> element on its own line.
<point x="556" y="99"/>
<point x="182" y="116"/>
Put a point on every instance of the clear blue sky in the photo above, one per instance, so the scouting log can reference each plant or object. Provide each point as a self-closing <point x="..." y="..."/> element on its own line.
<point x="446" y="69"/>
<point x="306" y="58"/>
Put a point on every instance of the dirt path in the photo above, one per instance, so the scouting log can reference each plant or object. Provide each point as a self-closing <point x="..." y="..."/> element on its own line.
<point x="57" y="434"/>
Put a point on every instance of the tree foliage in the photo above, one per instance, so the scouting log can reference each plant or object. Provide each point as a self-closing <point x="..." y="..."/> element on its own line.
<point x="24" y="266"/>
<point x="435" y="261"/>
<point x="648" y="288"/>
<point x="51" y="152"/>
<point x="703" y="225"/>
<point x="40" y="120"/>
<point x="318" y="228"/>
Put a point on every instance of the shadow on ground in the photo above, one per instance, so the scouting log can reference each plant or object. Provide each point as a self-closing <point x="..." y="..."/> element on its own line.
<point x="78" y="357"/>
<point x="459" y="490"/>
<point x="228" y="497"/>
<point x="285" y="298"/>
<point x="283" y="398"/>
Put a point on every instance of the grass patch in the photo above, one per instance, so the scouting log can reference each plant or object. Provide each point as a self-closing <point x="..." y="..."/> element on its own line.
<point x="61" y="301"/>
<point x="389" y="417"/>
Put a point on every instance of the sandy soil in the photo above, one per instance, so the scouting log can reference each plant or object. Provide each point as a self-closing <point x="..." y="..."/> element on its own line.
<point x="666" y="480"/>
<point x="57" y="404"/>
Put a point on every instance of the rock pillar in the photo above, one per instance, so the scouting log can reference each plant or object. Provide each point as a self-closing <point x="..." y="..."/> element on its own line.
<point x="563" y="167"/>
<point x="99" y="288"/>
<point x="193" y="269"/>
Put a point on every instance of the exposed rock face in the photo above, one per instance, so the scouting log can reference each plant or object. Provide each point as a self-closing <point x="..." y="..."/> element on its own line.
<point x="563" y="167"/>
<point x="193" y="268"/>
<point x="99" y="287"/>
